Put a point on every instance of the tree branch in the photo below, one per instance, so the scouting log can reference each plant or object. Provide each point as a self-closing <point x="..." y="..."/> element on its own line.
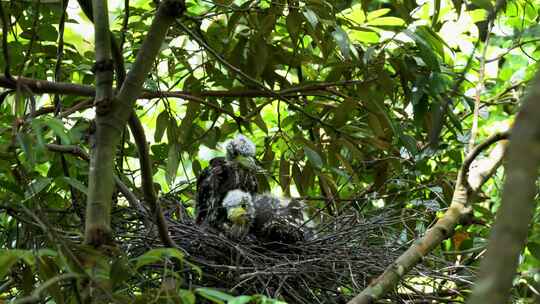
<point x="464" y="172"/>
<point x="5" y="49"/>
<point x="111" y="120"/>
<point x="147" y="182"/>
<point x="511" y="226"/>
<point x="100" y="179"/>
<point x="77" y="151"/>
<point x="444" y="227"/>
<point x="43" y="87"/>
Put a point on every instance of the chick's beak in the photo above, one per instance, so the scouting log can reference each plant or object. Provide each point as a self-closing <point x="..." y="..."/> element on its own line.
<point x="247" y="161"/>
<point x="238" y="215"/>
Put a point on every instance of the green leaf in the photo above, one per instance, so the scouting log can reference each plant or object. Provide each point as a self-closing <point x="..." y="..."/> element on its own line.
<point x="48" y="270"/>
<point x="355" y="13"/>
<point x="425" y="49"/>
<point x="196" y="167"/>
<point x="409" y="142"/>
<point x="187" y="124"/>
<point x="58" y="129"/>
<point x="47" y="33"/>
<point x="36" y="186"/>
<point x="120" y="271"/>
<point x="342" y="40"/>
<point x="161" y="124"/>
<point x="311" y="17"/>
<point x="241" y="300"/>
<point x="313" y="157"/>
<point x="387" y="21"/>
<point x="75" y="184"/>
<point x="187" y="296"/>
<point x="478" y="15"/>
<point x="214" y="295"/>
<point x="25" y="142"/>
<point x="297" y="176"/>
<point x="377" y="13"/>
<point x="259" y="121"/>
<point x="485" y="4"/>
<point x="534" y="248"/>
<point x="294" y="24"/>
<point x="284" y="174"/>
<point x="364" y="35"/>
<point x="173" y="161"/>
<point x="156" y="255"/>
<point x="7" y="260"/>
<point x="258" y="55"/>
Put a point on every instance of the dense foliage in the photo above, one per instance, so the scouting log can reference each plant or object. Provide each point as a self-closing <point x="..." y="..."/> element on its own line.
<point x="353" y="105"/>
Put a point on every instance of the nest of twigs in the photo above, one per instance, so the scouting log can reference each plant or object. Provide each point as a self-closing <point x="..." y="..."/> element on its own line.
<point x="347" y="253"/>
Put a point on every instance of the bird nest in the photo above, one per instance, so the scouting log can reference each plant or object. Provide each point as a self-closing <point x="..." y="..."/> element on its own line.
<point x="343" y="257"/>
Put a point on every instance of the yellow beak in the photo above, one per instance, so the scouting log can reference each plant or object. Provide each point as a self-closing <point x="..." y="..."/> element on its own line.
<point x="237" y="215"/>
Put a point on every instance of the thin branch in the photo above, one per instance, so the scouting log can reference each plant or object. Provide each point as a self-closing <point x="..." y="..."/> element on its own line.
<point x="57" y="102"/>
<point x="5" y="49"/>
<point x="103" y="66"/>
<point x="459" y="208"/>
<point x="479" y="88"/>
<point x="464" y="172"/>
<point x="77" y="151"/>
<point x="510" y="49"/>
<point x="125" y="23"/>
<point x="509" y="233"/>
<point x="69" y="149"/>
<point x="43" y="87"/>
<point x="440" y="114"/>
<point x="147" y="181"/>
<point x="112" y="117"/>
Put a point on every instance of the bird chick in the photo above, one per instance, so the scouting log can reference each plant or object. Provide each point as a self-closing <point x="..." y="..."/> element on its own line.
<point x="242" y="150"/>
<point x="279" y="219"/>
<point x="237" y="170"/>
<point x="240" y="213"/>
<point x="240" y="146"/>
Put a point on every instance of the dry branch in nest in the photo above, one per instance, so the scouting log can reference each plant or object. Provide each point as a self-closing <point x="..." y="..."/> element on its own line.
<point x="340" y="261"/>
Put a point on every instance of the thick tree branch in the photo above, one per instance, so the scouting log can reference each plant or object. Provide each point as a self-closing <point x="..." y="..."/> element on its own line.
<point x="444" y="227"/>
<point x="100" y="179"/>
<point x="511" y="226"/>
<point x="140" y="138"/>
<point x="111" y="119"/>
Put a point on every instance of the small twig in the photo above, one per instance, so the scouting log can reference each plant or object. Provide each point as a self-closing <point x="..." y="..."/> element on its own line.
<point x="479" y="88"/>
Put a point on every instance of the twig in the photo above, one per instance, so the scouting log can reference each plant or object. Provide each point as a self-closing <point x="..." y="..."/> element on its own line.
<point x="479" y="88"/>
